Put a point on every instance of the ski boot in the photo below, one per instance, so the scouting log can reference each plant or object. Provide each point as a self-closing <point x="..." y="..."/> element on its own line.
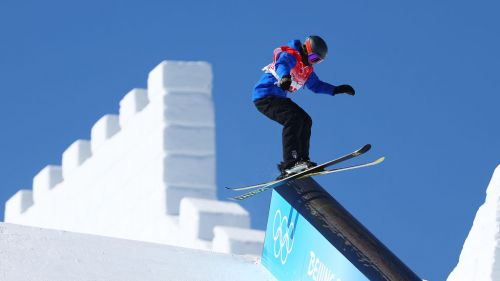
<point x="295" y="168"/>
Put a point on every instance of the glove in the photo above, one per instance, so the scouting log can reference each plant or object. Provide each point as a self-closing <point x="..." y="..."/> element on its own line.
<point x="344" y="89"/>
<point x="285" y="82"/>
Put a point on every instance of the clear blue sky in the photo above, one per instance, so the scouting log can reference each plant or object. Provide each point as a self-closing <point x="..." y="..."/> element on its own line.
<point x="425" y="73"/>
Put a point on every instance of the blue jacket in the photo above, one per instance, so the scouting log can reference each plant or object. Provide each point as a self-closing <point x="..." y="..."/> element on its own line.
<point x="267" y="85"/>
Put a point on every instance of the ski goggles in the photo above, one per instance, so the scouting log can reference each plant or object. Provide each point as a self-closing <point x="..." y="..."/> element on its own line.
<point x="313" y="58"/>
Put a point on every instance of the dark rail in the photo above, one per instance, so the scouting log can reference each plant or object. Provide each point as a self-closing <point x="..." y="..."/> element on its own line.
<point x="346" y="233"/>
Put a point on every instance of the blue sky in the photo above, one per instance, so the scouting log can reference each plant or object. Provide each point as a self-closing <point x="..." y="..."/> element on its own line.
<point x="424" y="71"/>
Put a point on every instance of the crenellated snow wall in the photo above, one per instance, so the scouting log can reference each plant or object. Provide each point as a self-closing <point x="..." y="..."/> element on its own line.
<point x="146" y="174"/>
<point x="480" y="256"/>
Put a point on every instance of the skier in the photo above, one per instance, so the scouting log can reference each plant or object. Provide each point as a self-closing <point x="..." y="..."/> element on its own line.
<point x="291" y="69"/>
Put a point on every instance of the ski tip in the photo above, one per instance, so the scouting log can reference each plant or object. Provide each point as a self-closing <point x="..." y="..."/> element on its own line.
<point x="380" y="160"/>
<point x="364" y="149"/>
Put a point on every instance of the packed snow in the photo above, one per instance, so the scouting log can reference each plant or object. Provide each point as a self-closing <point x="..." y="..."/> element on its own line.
<point x="34" y="254"/>
<point x="146" y="174"/>
<point x="480" y="256"/>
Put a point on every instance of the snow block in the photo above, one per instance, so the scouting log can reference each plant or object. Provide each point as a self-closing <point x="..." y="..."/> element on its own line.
<point x="195" y="76"/>
<point x="188" y="108"/>
<point x="192" y="170"/>
<point x="133" y="102"/>
<point x="198" y="217"/>
<point x="175" y="194"/>
<point x="103" y="129"/>
<point x="18" y="204"/>
<point x="240" y="241"/>
<point x="189" y="140"/>
<point x="74" y="156"/>
<point x="45" y="180"/>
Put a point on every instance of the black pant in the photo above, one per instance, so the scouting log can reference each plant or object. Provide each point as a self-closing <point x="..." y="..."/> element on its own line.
<point x="296" y="126"/>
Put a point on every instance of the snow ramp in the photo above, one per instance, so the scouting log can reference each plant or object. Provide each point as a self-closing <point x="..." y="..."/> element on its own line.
<point x="29" y="254"/>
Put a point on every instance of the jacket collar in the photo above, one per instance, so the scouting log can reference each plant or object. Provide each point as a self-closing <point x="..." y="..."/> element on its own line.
<point x="299" y="47"/>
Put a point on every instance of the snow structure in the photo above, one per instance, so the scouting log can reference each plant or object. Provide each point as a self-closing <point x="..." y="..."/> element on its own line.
<point x="480" y="256"/>
<point x="34" y="254"/>
<point x="147" y="174"/>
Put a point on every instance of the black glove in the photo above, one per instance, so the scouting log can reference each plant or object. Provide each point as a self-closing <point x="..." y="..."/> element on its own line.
<point x="344" y="89"/>
<point x="285" y="82"/>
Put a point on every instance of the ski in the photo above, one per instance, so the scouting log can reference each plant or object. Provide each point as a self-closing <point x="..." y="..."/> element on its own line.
<point x="272" y="185"/>
<point x="356" y="153"/>
<point x="263" y="187"/>
<point x="324" y="172"/>
<point x="372" y="163"/>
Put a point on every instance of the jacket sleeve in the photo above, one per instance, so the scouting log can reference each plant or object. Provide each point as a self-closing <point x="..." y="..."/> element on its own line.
<point x="314" y="84"/>
<point x="284" y="64"/>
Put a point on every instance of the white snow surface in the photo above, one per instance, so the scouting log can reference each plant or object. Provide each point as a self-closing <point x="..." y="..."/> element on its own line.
<point x="480" y="256"/>
<point x="35" y="254"/>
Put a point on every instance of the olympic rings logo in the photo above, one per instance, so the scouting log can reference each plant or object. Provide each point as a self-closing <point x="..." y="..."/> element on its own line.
<point x="283" y="236"/>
